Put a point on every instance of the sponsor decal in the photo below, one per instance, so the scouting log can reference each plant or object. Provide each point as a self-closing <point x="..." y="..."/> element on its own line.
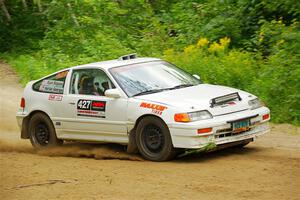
<point x="52" y="86"/>
<point x="61" y="74"/>
<point x="98" y="105"/>
<point x="231" y="103"/>
<point x="90" y="108"/>
<point x="55" y="97"/>
<point x="156" y="109"/>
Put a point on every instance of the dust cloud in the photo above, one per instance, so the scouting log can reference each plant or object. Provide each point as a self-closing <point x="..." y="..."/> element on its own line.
<point x="11" y="92"/>
<point x="76" y="150"/>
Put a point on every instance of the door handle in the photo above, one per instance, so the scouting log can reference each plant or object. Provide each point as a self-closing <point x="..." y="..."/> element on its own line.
<point x="72" y="103"/>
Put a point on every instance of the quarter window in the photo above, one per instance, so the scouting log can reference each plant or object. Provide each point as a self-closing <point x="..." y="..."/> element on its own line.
<point x="90" y="82"/>
<point x="52" y="84"/>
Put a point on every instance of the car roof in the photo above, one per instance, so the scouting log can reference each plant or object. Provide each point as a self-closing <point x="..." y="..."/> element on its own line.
<point x="115" y="63"/>
<point x="105" y="65"/>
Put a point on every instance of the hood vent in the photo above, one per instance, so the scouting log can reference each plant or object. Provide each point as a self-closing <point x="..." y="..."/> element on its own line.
<point x="224" y="99"/>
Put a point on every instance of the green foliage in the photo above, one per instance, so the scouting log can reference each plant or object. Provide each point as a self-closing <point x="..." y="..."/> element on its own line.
<point x="248" y="44"/>
<point x="28" y="67"/>
<point x="279" y="80"/>
<point x="276" y="79"/>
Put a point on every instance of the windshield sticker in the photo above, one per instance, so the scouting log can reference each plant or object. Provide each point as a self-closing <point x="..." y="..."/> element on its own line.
<point x="52" y="86"/>
<point x="55" y="97"/>
<point x="89" y="108"/>
<point x="156" y="109"/>
<point x="61" y="74"/>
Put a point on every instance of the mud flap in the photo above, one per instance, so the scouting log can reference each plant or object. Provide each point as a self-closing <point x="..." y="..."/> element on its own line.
<point x="24" y="130"/>
<point x="132" y="147"/>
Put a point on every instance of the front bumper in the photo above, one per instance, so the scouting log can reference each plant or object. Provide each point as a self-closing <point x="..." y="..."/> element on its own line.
<point x="184" y="135"/>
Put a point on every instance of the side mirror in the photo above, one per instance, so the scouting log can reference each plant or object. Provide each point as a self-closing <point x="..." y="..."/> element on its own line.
<point x="196" y="76"/>
<point x="113" y="93"/>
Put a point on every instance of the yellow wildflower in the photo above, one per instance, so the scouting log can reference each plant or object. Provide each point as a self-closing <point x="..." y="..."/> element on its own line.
<point x="224" y="41"/>
<point x="189" y="49"/>
<point x="214" y="47"/>
<point x="261" y="33"/>
<point x="261" y="36"/>
<point x="202" y="42"/>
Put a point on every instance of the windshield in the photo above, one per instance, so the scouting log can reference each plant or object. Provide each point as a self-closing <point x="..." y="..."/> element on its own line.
<point x="145" y="78"/>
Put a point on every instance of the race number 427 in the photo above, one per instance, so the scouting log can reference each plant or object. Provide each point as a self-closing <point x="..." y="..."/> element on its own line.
<point x="84" y="104"/>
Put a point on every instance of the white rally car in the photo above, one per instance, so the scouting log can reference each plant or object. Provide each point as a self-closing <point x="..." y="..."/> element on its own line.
<point x="145" y="103"/>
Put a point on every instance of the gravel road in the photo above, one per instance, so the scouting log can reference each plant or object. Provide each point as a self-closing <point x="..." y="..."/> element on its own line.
<point x="266" y="169"/>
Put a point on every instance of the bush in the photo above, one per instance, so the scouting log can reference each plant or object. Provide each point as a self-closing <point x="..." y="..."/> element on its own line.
<point x="275" y="80"/>
<point x="253" y="45"/>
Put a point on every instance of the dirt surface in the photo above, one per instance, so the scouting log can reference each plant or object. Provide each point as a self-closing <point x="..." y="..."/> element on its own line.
<point x="266" y="169"/>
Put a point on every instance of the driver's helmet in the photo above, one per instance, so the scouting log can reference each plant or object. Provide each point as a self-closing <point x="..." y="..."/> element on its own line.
<point x="97" y="85"/>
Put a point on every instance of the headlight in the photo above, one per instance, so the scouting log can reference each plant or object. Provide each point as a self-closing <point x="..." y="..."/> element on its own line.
<point x="255" y="103"/>
<point x="192" y="116"/>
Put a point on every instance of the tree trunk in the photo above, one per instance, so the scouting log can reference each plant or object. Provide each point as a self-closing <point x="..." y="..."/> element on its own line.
<point x="39" y="4"/>
<point x="5" y="11"/>
<point x="40" y="7"/>
<point x="25" y="5"/>
<point x="72" y="14"/>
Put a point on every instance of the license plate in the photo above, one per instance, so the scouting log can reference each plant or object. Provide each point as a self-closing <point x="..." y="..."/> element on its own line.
<point x="240" y="126"/>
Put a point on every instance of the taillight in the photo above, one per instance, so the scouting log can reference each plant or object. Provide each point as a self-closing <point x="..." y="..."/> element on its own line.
<point x="266" y="116"/>
<point x="22" y="104"/>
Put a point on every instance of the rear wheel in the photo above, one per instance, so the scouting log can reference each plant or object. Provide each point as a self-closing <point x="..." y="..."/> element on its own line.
<point x="153" y="140"/>
<point x="42" y="132"/>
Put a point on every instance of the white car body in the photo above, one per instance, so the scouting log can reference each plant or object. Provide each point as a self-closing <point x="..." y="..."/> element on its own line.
<point x="121" y="114"/>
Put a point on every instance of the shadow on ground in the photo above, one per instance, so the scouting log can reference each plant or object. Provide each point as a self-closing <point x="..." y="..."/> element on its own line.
<point x="207" y="156"/>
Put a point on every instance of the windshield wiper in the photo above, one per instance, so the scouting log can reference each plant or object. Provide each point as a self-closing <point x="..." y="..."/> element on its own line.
<point x="181" y="86"/>
<point x="159" y="90"/>
<point x="148" y="92"/>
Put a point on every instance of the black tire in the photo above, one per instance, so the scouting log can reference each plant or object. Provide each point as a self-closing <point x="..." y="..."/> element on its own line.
<point x="153" y="140"/>
<point x="42" y="132"/>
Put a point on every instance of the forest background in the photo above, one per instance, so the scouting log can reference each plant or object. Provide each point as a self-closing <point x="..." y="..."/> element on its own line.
<point x="253" y="45"/>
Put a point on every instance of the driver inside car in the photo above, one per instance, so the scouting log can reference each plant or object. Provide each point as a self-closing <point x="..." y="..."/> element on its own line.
<point x="88" y="86"/>
<point x="97" y="90"/>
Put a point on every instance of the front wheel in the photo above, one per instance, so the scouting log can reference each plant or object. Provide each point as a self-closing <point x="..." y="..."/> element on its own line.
<point x="42" y="132"/>
<point x="153" y="140"/>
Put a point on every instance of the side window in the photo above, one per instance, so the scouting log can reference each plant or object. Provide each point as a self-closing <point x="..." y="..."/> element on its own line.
<point x="90" y="82"/>
<point x="52" y="84"/>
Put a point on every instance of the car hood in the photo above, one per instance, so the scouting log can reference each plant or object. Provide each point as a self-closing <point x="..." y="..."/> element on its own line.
<point x="199" y="98"/>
